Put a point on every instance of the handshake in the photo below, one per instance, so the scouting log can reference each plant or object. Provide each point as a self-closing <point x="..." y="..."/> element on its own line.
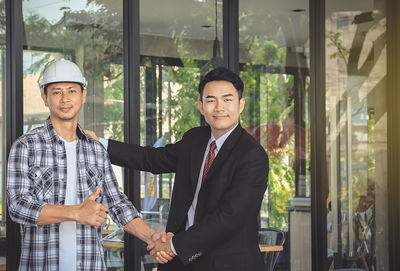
<point x="159" y="247"/>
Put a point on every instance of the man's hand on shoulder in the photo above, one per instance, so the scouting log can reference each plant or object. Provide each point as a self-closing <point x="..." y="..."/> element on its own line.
<point x="91" y="134"/>
<point x="91" y="212"/>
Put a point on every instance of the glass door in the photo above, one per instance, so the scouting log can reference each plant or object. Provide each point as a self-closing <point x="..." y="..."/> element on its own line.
<point x="180" y="41"/>
<point x="274" y="64"/>
<point x="356" y="140"/>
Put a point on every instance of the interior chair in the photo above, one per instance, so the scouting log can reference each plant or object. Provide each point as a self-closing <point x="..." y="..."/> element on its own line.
<point x="271" y="244"/>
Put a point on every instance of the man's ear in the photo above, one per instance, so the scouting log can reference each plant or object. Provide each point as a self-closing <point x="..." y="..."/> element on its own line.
<point x="44" y="98"/>
<point x="201" y="107"/>
<point x="84" y="92"/>
<point x="241" y="104"/>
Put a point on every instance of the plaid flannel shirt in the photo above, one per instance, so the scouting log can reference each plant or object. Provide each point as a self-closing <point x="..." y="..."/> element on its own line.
<point x="37" y="174"/>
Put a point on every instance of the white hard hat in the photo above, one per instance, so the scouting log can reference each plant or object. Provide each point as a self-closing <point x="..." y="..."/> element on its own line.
<point x="62" y="71"/>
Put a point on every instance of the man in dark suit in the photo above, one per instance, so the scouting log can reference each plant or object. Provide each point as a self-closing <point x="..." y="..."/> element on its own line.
<point x="221" y="177"/>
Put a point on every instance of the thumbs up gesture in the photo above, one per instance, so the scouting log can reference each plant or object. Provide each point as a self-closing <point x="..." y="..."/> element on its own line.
<point x="91" y="212"/>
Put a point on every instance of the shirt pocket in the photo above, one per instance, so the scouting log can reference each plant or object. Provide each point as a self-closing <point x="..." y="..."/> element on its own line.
<point x="94" y="179"/>
<point x="43" y="183"/>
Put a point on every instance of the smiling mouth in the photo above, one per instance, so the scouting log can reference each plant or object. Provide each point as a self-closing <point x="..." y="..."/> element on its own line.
<point x="65" y="109"/>
<point x="220" y="117"/>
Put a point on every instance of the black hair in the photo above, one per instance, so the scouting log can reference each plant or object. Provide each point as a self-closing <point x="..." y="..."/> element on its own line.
<point x="222" y="74"/>
<point x="45" y="87"/>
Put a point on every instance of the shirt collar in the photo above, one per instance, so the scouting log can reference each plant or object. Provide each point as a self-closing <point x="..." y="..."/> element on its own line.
<point x="55" y="139"/>
<point x="221" y="140"/>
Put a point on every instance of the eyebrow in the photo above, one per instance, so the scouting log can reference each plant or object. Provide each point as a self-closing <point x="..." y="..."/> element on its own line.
<point x="59" y="88"/>
<point x="225" y="95"/>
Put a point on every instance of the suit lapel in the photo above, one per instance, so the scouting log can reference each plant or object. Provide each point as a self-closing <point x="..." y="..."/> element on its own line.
<point x="228" y="145"/>
<point x="197" y="156"/>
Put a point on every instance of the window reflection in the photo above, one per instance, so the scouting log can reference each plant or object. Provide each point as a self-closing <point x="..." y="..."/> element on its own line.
<point x="89" y="33"/>
<point x="356" y="135"/>
<point x="273" y="54"/>
<point x="176" y="50"/>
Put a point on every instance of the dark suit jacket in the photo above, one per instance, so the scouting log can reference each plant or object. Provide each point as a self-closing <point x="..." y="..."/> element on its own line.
<point x="225" y="236"/>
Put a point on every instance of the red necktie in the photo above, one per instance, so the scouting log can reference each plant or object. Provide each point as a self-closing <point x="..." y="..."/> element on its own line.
<point x="209" y="160"/>
<point x="207" y="164"/>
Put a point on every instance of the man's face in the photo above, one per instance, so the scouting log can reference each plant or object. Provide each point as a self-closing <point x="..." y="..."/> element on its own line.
<point x="220" y="106"/>
<point x="64" y="100"/>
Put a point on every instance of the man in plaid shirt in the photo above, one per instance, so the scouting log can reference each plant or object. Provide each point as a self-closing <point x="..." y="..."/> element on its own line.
<point x="61" y="197"/>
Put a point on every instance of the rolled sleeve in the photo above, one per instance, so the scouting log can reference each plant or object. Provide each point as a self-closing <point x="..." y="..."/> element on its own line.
<point x="24" y="208"/>
<point x="120" y="207"/>
<point x="123" y="212"/>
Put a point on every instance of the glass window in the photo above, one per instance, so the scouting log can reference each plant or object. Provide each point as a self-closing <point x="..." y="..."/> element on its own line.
<point x="3" y="159"/>
<point x="89" y="33"/>
<point x="356" y="125"/>
<point x="274" y="64"/>
<point x="180" y="41"/>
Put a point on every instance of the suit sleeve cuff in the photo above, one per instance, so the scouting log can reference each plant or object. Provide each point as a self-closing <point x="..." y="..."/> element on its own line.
<point x="172" y="246"/>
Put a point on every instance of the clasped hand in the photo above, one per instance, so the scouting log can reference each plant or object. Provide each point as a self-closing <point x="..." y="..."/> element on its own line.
<point x="160" y="248"/>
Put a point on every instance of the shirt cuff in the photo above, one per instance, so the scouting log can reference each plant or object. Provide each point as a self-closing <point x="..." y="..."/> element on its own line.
<point x="172" y="246"/>
<point x="104" y="142"/>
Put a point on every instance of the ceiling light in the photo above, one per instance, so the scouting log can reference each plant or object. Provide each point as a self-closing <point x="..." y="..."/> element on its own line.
<point x="298" y="10"/>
